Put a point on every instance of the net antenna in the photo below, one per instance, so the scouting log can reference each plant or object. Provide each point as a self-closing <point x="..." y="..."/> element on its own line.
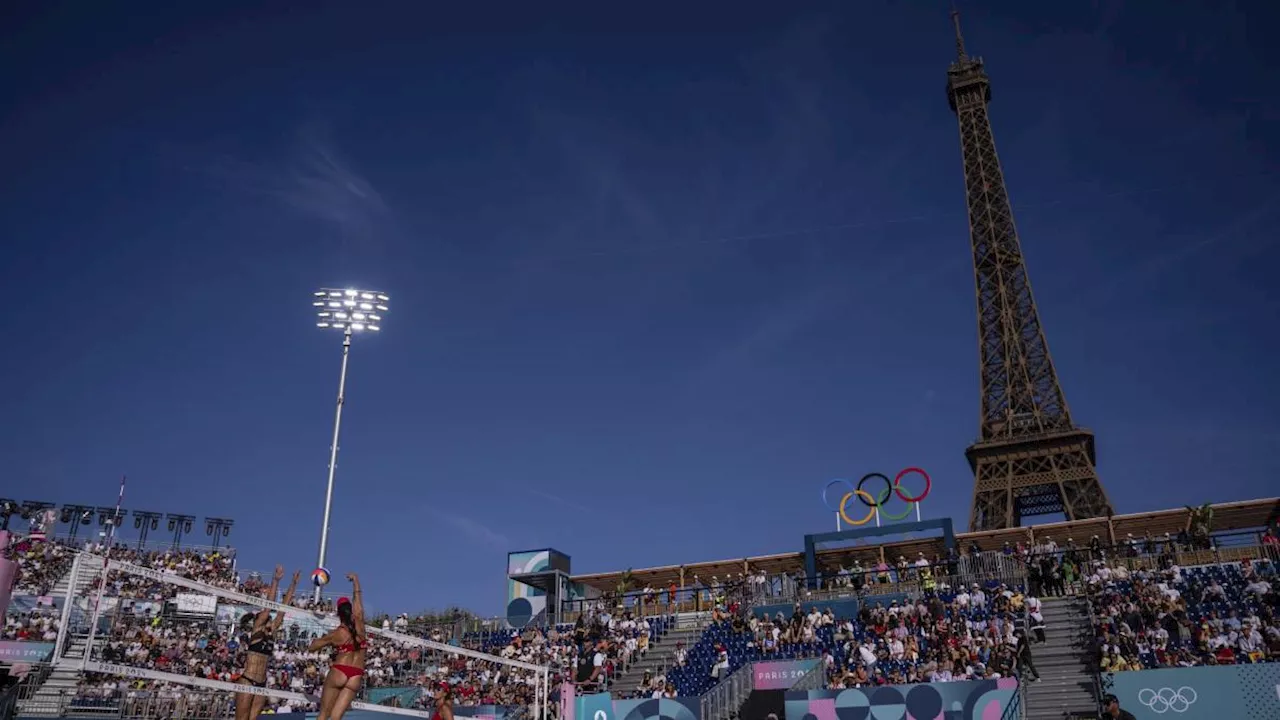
<point x="90" y="661"/>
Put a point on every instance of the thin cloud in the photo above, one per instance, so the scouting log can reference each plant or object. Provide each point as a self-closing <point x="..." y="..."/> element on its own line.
<point x="557" y="499"/>
<point x="312" y="180"/>
<point x="476" y="530"/>
<point x="1154" y="267"/>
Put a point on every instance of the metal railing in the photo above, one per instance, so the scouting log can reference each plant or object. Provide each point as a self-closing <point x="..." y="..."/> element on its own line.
<point x="815" y="679"/>
<point x="983" y="566"/>
<point x="723" y="700"/>
<point x="1013" y="711"/>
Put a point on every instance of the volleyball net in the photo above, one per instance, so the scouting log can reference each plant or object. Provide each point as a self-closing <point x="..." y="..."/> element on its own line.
<point x="156" y="634"/>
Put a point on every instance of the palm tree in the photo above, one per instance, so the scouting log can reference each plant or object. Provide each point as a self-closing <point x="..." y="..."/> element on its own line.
<point x="1200" y="524"/>
<point x="625" y="582"/>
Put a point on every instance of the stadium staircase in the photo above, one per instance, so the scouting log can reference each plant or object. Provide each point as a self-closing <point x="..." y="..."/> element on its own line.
<point x="659" y="657"/>
<point x="60" y="683"/>
<point x="1067" y="682"/>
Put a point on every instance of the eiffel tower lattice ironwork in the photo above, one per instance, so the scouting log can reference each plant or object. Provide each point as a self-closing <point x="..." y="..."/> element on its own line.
<point x="1030" y="458"/>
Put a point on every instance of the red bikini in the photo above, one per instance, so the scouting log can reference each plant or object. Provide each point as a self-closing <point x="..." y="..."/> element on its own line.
<point x="347" y="670"/>
<point x="349" y="647"/>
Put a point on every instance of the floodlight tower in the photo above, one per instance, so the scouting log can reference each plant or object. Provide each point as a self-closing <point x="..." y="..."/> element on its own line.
<point x="145" y="521"/>
<point x="350" y="311"/>
<point x="8" y="508"/>
<point x="219" y="528"/>
<point x="74" y="516"/>
<point x="179" y="525"/>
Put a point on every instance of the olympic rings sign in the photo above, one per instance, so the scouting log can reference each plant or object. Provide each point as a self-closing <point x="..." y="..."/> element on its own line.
<point x="875" y="504"/>
<point x="1165" y="699"/>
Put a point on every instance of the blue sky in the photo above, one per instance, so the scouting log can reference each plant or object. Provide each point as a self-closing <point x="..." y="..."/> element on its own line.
<point x="656" y="273"/>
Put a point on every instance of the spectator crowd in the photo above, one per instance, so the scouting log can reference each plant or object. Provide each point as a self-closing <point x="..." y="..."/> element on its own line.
<point x="944" y="634"/>
<point x="1169" y="616"/>
<point x="1148" y="613"/>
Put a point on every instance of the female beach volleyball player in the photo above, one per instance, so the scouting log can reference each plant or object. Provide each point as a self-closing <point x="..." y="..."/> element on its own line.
<point x="349" y="643"/>
<point x="258" y="631"/>
<point x="444" y="703"/>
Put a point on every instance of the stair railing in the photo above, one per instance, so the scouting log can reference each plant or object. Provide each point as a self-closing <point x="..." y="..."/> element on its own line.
<point x="815" y="679"/>
<point x="1013" y="711"/>
<point x="1092" y="648"/>
<point x="727" y="696"/>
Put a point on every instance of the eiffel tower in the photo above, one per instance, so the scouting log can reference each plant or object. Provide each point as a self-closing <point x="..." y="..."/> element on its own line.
<point x="1030" y="458"/>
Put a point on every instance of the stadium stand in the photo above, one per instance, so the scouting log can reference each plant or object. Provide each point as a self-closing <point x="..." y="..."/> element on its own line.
<point x="40" y="565"/>
<point x="1156" y="598"/>
<point x="1159" y="615"/>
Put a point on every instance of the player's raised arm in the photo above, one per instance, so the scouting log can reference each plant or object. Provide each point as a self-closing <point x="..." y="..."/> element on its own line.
<point x="288" y="600"/>
<point x="357" y="604"/>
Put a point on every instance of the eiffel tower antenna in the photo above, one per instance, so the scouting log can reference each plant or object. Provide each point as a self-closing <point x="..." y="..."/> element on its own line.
<point x="955" y="20"/>
<point x="1030" y="458"/>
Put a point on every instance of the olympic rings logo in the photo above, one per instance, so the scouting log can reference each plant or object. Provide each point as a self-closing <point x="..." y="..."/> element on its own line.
<point x="874" y="504"/>
<point x="1165" y="699"/>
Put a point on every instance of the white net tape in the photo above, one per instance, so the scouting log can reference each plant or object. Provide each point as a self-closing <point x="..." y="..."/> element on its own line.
<point x="413" y="654"/>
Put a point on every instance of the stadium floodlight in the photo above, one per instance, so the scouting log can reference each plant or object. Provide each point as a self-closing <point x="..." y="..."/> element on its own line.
<point x="34" y="512"/>
<point x="219" y="528"/>
<point x="74" y="516"/>
<point x="179" y="525"/>
<point x="351" y="311"/>
<point x="8" y="508"/>
<point x="109" y="517"/>
<point x="145" y="521"/>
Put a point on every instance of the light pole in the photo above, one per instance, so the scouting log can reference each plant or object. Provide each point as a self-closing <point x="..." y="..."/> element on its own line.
<point x="350" y="311"/>
<point x="145" y="521"/>
<point x="219" y="528"/>
<point x="179" y="525"/>
<point x="75" y="516"/>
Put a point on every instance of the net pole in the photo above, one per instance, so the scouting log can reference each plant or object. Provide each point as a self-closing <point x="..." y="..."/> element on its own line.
<point x="537" y="697"/>
<point x="546" y="693"/>
<point x="102" y="586"/>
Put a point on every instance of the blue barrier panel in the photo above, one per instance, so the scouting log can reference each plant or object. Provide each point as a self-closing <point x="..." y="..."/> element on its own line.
<point x="847" y="608"/>
<point x="602" y="706"/>
<point x="657" y="709"/>
<point x="967" y="700"/>
<point x="594" y="707"/>
<point x="1235" y="692"/>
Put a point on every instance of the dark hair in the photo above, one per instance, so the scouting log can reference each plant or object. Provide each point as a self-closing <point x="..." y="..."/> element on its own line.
<point x="246" y="621"/>
<point x="348" y="621"/>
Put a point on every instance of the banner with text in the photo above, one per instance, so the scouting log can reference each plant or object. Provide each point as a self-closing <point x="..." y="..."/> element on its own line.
<point x="781" y="674"/>
<point x="1239" y="692"/>
<point x="25" y="652"/>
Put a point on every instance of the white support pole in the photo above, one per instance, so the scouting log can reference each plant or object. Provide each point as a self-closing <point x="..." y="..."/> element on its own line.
<point x="66" y="608"/>
<point x="838" y="528"/>
<point x="333" y="453"/>
<point x="546" y="693"/>
<point x="93" y="619"/>
<point x="537" y="697"/>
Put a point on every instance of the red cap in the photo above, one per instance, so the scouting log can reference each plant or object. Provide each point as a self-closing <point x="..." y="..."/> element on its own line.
<point x="344" y="601"/>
